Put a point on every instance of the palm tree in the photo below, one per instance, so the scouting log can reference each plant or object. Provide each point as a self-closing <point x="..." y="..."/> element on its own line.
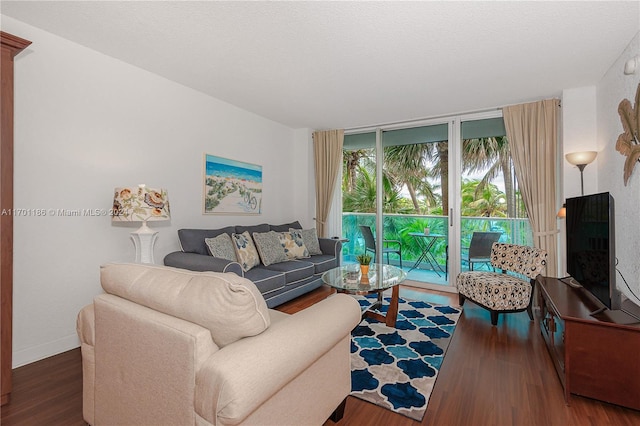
<point x="350" y="162"/>
<point x="490" y="202"/>
<point x="362" y="198"/>
<point x="408" y="165"/>
<point x="412" y="164"/>
<point x="493" y="155"/>
<point x="441" y="168"/>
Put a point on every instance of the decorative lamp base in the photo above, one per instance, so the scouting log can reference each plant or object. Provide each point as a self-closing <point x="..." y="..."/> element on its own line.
<point x="144" y="239"/>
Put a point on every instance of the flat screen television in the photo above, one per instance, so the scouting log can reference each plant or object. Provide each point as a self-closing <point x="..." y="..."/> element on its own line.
<point x="591" y="258"/>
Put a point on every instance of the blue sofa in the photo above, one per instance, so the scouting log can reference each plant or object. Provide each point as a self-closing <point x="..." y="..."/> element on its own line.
<point x="279" y="282"/>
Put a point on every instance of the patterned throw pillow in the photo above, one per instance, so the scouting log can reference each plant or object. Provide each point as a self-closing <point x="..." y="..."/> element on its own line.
<point x="310" y="238"/>
<point x="269" y="247"/>
<point x="245" y="250"/>
<point x="293" y="244"/>
<point x="222" y="247"/>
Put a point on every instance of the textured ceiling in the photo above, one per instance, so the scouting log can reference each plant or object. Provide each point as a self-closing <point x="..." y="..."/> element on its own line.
<point x="345" y="64"/>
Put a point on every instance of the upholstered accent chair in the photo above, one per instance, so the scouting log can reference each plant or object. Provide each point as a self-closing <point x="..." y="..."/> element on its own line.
<point x="508" y="291"/>
<point x="390" y="246"/>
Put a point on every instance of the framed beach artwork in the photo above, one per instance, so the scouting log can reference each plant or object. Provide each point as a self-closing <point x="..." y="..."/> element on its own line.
<point x="231" y="187"/>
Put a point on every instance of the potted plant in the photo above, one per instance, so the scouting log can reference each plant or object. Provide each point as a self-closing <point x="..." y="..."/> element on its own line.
<point x="364" y="260"/>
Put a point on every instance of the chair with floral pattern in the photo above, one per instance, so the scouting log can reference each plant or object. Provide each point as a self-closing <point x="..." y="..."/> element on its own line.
<point x="509" y="291"/>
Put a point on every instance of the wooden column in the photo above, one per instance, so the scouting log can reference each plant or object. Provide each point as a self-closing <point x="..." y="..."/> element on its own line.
<point x="11" y="46"/>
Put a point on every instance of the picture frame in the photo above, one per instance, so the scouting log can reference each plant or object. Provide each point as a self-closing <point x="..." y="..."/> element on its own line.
<point x="231" y="186"/>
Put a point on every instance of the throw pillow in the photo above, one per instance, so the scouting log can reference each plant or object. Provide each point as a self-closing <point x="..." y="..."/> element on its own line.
<point x="293" y="244"/>
<point x="269" y="247"/>
<point x="246" y="252"/>
<point x="222" y="247"/>
<point x="310" y="238"/>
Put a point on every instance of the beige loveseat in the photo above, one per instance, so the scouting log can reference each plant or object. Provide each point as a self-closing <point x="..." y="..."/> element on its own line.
<point x="165" y="346"/>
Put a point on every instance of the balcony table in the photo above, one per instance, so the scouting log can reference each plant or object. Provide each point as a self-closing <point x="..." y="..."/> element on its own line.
<point x="426" y="243"/>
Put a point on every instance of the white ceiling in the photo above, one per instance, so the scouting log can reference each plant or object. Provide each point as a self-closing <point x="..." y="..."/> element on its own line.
<point x="327" y="65"/>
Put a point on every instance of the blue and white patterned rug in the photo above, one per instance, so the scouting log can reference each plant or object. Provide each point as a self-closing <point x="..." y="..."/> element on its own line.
<point x="396" y="368"/>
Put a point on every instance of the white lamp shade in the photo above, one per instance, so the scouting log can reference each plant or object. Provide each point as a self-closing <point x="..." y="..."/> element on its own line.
<point x="581" y="158"/>
<point x="140" y="204"/>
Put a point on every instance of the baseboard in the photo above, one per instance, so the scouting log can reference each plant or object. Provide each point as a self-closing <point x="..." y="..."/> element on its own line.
<point x="631" y="308"/>
<point x="36" y="353"/>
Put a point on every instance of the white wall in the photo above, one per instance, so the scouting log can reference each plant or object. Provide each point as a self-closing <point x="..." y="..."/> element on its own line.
<point x="612" y="89"/>
<point x="579" y="134"/>
<point x="86" y="123"/>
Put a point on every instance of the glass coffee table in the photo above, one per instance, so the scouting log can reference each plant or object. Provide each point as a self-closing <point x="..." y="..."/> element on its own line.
<point x="349" y="279"/>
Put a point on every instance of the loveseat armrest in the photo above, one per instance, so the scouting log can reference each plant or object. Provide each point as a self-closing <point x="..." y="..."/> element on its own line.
<point x="201" y="262"/>
<point x="330" y="246"/>
<point x="236" y="380"/>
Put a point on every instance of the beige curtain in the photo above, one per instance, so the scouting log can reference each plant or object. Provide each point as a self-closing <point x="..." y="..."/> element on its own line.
<point x="327" y="147"/>
<point x="532" y="130"/>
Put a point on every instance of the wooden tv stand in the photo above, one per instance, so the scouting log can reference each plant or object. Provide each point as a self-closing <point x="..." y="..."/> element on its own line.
<point x="595" y="355"/>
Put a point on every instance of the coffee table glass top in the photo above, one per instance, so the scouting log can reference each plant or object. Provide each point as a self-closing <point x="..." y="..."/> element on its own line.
<point x="349" y="279"/>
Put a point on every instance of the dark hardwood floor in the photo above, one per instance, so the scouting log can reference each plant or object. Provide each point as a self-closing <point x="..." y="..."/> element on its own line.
<point x="490" y="376"/>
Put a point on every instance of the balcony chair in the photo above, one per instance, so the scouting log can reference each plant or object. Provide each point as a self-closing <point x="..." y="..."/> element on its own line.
<point x="479" y="250"/>
<point x="370" y="244"/>
<point x="509" y="291"/>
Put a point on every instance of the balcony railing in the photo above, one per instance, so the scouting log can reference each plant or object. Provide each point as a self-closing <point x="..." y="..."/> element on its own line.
<point x="398" y="227"/>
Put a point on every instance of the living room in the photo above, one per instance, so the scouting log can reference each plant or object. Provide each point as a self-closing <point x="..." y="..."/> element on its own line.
<point x="86" y="122"/>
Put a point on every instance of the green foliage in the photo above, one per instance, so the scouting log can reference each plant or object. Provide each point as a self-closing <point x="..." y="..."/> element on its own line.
<point x="487" y="202"/>
<point x="363" y="196"/>
<point x="364" y="258"/>
<point x="399" y="227"/>
<point x="421" y="170"/>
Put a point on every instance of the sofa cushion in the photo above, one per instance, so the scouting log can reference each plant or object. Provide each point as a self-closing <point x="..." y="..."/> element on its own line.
<point x="192" y="240"/>
<point x="310" y="238"/>
<point x="265" y="279"/>
<point x="245" y="250"/>
<point x="286" y="226"/>
<point x="294" y="270"/>
<point x="221" y="246"/>
<point x="269" y="247"/>
<point x="229" y="306"/>
<point x="322" y="262"/>
<point x="293" y="244"/>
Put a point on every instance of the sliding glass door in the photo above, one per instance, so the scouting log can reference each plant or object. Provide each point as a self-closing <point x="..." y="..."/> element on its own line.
<point x="491" y="208"/>
<point x="427" y="190"/>
<point x="416" y="160"/>
<point x="407" y="169"/>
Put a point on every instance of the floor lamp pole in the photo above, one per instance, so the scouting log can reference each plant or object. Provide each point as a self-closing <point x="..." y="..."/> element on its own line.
<point x="581" y="167"/>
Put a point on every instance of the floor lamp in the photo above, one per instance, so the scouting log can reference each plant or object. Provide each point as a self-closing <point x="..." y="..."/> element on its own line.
<point x="581" y="159"/>
<point x="141" y="204"/>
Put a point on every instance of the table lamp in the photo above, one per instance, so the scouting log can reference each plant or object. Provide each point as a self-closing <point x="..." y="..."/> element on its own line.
<point x="141" y="204"/>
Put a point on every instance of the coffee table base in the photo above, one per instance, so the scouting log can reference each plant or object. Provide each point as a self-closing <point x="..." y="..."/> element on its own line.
<point x="348" y="279"/>
<point x="392" y="312"/>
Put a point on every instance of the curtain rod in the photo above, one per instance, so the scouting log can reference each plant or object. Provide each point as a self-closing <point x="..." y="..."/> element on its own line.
<point x="417" y="120"/>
